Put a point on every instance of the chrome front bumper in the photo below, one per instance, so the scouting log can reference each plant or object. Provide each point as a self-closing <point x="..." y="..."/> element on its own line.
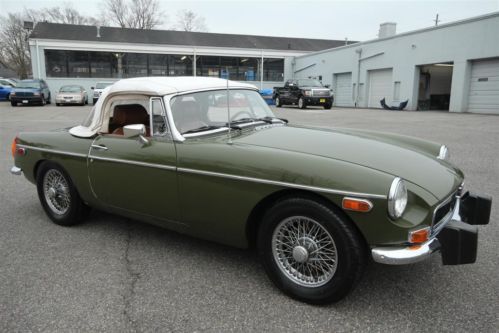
<point x="405" y="255"/>
<point x="16" y="171"/>
<point x="455" y="237"/>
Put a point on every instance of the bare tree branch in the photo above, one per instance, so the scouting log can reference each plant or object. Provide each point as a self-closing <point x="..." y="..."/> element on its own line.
<point x="137" y="14"/>
<point x="187" y="20"/>
<point x="14" y="49"/>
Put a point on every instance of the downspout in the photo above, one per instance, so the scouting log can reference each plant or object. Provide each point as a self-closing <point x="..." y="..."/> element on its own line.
<point x="194" y="68"/>
<point x="359" y="52"/>
<point x="261" y="73"/>
<point x="38" y="59"/>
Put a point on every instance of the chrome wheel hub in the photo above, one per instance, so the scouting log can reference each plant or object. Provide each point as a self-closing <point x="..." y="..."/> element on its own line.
<point x="56" y="192"/>
<point x="304" y="251"/>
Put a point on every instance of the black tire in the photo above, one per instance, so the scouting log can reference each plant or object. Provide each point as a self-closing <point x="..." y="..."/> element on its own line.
<point x="278" y="102"/>
<point x="49" y="100"/>
<point x="77" y="210"/>
<point x="351" y="253"/>
<point x="301" y="103"/>
<point x="13" y="103"/>
<point x="43" y="101"/>
<point x="86" y="101"/>
<point x="328" y="106"/>
<point x="94" y="101"/>
<point x="57" y="104"/>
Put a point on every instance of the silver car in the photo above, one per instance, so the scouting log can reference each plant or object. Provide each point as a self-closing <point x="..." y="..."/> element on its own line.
<point x="71" y="94"/>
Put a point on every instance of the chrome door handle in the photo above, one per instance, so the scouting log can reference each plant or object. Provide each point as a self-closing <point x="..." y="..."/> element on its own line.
<point x="99" y="147"/>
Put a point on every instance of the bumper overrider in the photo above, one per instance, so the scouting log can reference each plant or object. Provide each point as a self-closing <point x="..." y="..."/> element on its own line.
<point x="456" y="239"/>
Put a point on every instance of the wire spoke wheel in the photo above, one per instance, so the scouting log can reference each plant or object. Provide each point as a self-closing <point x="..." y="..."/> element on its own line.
<point x="56" y="192"/>
<point x="304" y="251"/>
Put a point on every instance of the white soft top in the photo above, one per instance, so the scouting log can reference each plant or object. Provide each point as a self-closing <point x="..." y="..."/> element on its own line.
<point x="151" y="86"/>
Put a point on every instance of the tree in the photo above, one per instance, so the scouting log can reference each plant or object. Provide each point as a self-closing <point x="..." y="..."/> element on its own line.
<point x="137" y="14"/>
<point x="187" y="20"/>
<point x="14" y="49"/>
<point x="66" y="14"/>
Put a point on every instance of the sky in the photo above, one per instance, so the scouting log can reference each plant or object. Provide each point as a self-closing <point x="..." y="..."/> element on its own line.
<point x="355" y="20"/>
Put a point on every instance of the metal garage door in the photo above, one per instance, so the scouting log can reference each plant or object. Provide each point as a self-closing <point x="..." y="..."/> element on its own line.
<point x="380" y="86"/>
<point x="484" y="87"/>
<point x="343" y="89"/>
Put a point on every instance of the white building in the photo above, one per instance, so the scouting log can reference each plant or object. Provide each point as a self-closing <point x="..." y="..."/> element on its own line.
<point x="77" y="54"/>
<point x="451" y="67"/>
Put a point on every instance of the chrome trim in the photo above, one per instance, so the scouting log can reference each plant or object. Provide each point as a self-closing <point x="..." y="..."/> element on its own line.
<point x="279" y="183"/>
<point x="443" y="153"/>
<point x="217" y="130"/>
<point x="405" y="254"/>
<point x="53" y="151"/>
<point x="453" y="214"/>
<point x="369" y="203"/>
<point x="144" y="164"/>
<point x="16" y="171"/>
<point x="99" y="147"/>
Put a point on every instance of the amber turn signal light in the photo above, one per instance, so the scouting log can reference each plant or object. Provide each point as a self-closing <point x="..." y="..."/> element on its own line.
<point x="419" y="236"/>
<point x="14" y="147"/>
<point x="357" y="205"/>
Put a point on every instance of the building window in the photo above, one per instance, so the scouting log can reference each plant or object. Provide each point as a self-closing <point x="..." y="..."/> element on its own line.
<point x="248" y="69"/>
<point x="56" y="63"/>
<point x="229" y="68"/>
<point x="101" y="64"/>
<point x="78" y="64"/>
<point x="208" y="66"/>
<point x="158" y="65"/>
<point x="273" y="69"/>
<point x="134" y="64"/>
<point x="180" y="65"/>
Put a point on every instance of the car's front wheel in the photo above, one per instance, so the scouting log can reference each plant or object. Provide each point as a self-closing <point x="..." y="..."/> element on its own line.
<point x="301" y="103"/>
<point x="58" y="195"/>
<point x="12" y="103"/>
<point x="278" y="101"/>
<point x="310" y="250"/>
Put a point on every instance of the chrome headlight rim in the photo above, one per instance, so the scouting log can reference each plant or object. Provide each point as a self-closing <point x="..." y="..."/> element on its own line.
<point x="443" y="153"/>
<point x="398" y="191"/>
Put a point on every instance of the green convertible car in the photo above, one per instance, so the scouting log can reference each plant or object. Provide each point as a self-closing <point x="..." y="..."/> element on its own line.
<point x="208" y="158"/>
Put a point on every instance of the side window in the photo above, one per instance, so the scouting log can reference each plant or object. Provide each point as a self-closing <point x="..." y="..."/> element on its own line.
<point x="159" y="125"/>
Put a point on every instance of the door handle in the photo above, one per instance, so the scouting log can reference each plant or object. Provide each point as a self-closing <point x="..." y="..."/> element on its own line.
<point x="99" y="147"/>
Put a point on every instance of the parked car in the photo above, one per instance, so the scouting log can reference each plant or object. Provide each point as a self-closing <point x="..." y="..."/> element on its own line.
<point x="71" y="94"/>
<point x="5" y="92"/>
<point x="30" y="92"/>
<point x="316" y="203"/>
<point x="303" y="92"/>
<point x="8" y="82"/>
<point x="99" y="87"/>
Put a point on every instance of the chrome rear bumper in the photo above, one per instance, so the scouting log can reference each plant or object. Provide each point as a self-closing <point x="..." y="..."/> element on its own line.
<point x="16" y="171"/>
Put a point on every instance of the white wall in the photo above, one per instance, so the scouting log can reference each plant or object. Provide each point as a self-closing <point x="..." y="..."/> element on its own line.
<point x="458" y="42"/>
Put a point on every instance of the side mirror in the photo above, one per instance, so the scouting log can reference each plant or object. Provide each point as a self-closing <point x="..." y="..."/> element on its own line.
<point x="92" y="88"/>
<point x="130" y="131"/>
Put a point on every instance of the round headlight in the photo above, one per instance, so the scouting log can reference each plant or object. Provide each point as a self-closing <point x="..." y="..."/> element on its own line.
<point x="397" y="198"/>
<point x="443" y="154"/>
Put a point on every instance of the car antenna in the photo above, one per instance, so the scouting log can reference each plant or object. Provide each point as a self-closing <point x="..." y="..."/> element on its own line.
<point x="228" y="111"/>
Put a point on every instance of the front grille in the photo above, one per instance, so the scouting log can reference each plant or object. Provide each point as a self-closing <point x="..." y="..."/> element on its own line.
<point x="320" y="93"/>
<point x="442" y="211"/>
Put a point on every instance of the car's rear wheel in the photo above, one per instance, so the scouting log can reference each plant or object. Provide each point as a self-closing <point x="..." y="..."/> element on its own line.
<point x="278" y="101"/>
<point x="328" y="106"/>
<point x="43" y="102"/>
<point x="13" y="103"/>
<point x="58" y="195"/>
<point x="49" y="99"/>
<point x="311" y="251"/>
<point x="301" y="103"/>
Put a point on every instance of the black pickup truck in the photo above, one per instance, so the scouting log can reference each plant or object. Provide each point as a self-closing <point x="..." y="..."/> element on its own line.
<point x="303" y="92"/>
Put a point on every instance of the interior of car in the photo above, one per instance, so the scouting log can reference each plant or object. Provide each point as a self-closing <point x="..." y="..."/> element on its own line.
<point x="129" y="114"/>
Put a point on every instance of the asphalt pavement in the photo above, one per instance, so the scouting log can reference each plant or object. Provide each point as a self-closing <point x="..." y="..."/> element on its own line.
<point x="118" y="275"/>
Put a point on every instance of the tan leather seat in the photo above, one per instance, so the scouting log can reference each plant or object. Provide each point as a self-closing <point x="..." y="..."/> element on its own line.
<point x="129" y="114"/>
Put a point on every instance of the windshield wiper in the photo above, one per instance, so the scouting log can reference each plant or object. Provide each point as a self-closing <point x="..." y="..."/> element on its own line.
<point x="202" y="129"/>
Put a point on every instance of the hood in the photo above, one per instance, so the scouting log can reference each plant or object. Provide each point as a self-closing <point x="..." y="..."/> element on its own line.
<point x="409" y="158"/>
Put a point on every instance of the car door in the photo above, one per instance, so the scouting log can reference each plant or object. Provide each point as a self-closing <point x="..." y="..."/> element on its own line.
<point x="134" y="175"/>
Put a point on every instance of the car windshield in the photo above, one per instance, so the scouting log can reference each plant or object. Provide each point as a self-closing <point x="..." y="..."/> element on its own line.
<point x="309" y="83"/>
<point x="102" y="85"/>
<point x="29" y="84"/>
<point x="203" y="111"/>
<point x="71" y="89"/>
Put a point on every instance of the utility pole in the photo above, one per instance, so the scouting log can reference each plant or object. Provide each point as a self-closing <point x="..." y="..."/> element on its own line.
<point x="436" y="20"/>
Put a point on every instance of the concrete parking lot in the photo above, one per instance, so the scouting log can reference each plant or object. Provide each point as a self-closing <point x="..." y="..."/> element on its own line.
<point x="118" y="275"/>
